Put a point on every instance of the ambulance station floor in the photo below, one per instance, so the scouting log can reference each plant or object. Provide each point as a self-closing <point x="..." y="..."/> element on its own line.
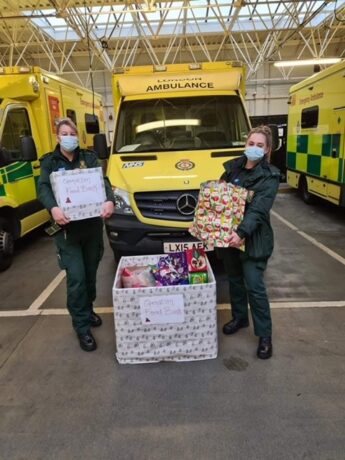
<point x="59" y="402"/>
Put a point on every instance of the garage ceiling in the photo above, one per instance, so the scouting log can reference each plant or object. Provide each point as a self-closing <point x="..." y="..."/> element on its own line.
<point x="71" y="36"/>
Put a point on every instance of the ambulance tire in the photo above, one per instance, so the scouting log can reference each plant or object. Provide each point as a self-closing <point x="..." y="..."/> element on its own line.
<point x="6" y="247"/>
<point x="307" y="197"/>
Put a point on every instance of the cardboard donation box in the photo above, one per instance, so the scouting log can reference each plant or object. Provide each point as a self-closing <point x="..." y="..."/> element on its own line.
<point x="164" y="323"/>
<point x="80" y="193"/>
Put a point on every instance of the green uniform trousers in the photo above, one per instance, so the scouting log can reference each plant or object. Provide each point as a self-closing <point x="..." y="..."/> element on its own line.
<point x="246" y="285"/>
<point x="80" y="249"/>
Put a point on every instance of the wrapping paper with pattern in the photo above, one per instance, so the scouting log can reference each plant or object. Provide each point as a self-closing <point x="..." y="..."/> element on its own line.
<point x="220" y="210"/>
<point x="194" y="339"/>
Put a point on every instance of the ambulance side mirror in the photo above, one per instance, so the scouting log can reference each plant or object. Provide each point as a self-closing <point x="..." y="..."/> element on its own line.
<point x="28" y="150"/>
<point x="100" y="146"/>
<point x="275" y="137"/>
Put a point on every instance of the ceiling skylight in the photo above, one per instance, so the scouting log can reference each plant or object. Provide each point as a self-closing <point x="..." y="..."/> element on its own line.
<point x="122" y="21"/>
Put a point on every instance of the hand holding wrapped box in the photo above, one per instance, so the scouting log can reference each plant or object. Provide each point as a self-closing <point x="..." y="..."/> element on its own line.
<point x="219" y="212"/>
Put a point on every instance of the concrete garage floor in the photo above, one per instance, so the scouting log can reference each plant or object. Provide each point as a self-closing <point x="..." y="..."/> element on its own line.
<point x="57" y="401"/>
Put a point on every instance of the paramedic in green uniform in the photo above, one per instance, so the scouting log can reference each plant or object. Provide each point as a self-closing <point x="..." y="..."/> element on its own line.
<point x="79" y="243"/>
<point x="246" y="269"/>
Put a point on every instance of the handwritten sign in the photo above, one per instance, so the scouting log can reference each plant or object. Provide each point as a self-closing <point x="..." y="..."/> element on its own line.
<point x="80" y="193"/>
<point x="163" y="309"/>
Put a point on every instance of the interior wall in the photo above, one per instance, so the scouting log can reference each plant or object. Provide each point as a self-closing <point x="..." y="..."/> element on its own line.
<point x="269" y="98"/>
<point x="267" y="92"/>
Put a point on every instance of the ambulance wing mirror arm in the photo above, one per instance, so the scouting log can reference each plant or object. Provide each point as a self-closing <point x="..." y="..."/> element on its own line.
<point x="28" y="150"/>
<point x="275" y="137"/>
<point x="100" y="146"/>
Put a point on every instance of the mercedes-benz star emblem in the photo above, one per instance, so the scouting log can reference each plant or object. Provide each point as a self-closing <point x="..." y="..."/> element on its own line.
<point x="186" y="204"/>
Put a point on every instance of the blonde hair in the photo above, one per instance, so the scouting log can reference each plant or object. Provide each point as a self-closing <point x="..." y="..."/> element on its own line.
<point x="68" y="122"/>
<point x="265" y="131"/>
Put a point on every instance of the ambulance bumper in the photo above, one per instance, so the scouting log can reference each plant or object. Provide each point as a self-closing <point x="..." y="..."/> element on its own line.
<point x="128" y="235"/>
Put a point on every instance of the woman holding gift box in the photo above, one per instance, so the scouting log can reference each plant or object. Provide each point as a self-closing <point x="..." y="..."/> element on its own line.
<point x="246" y="269"/>
<point x="79" y="243"/>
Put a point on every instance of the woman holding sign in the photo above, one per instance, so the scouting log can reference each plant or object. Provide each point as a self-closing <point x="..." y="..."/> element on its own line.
<point x="79" y="243"/>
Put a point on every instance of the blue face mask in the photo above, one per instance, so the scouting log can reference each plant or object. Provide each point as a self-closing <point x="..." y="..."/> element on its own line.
<point x="69" y="143"/>
<point x="254" y="153"/>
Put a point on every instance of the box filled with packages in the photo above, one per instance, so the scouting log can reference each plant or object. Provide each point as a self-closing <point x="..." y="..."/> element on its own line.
<point x="164" y="323"/>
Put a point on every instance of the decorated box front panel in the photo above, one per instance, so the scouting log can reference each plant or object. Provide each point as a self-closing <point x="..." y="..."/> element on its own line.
<point x="166" y="323"/>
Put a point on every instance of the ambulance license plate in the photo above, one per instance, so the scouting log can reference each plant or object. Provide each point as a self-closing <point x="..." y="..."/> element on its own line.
<point x="179" y="247"/>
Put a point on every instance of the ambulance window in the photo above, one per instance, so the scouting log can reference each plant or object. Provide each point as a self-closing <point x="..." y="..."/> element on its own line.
<point x="91" y="123"/>
<point x="72" y="115"/>
<point x="17" y="125"/>
<point x="310" y="117"/>
<point x="182" y="123"/>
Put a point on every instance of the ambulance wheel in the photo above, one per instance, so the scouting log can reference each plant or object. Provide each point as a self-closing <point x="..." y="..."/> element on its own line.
<point x="6" y="248"/>
<point x="307" y="197"/>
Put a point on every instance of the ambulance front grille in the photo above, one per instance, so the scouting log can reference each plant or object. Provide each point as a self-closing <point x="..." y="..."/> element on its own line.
<point x="169" y="205"/>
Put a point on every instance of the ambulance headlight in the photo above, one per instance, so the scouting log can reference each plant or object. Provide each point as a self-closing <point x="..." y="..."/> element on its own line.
<point x="122" y="203"/>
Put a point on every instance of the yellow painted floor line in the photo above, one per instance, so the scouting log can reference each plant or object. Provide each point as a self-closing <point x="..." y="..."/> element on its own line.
<point x="39" y="301"/>
<point x="221" y="306"/>
<point x="302" y="304"/>
<point x="312" y="240"/>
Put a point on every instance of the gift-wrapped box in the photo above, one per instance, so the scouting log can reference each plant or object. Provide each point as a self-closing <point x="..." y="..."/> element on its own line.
<point x="219" y="211"/>
<point x="80" y="193"/>
<point x="164" y="323"/>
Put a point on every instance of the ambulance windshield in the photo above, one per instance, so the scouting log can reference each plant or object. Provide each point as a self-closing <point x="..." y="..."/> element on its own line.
<point x="188" y="123"/>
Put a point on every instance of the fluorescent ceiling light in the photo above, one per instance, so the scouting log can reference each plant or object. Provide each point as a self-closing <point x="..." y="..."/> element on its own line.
<point x="307" y="62"/>
<point x="166" y="123"/>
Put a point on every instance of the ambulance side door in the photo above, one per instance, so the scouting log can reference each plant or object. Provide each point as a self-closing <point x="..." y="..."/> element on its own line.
<point x="71" y="109"/>
<point x="338" y="142"/>
<point x="19" y="178"/>
<point x="336" y="156"/>
<point x="55" y="112"/>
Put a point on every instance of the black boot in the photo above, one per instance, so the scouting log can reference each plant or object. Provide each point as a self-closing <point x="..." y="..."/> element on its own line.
<point x="87" y="341"/>
<point x="265" y="348"/>
<point x="234" y="325"/>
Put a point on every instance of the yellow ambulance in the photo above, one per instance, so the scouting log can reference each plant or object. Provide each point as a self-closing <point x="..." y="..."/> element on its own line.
<point x="31" y="101"/>
<point x="316" y="133"/>
<point x="175" y="127"/>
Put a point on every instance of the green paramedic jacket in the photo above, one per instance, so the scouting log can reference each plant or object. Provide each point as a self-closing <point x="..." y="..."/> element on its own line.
<point x="55" y="161"/>
<point x="256" y="228"/>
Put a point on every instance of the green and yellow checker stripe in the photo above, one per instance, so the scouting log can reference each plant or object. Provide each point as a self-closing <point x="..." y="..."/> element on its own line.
<point x="317" y="155"/>
<point x="2" y="187"/>
<point x="13" y="173"/>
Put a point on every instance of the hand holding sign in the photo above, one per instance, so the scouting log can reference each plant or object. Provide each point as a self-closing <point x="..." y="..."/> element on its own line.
<point x="59" y="217"/>
<point x="107" y="209"/>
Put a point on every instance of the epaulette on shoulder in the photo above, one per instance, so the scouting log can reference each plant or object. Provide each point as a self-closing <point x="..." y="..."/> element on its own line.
<point x="46" y="156"/>
<point x="229" y="164"/>
<point x="274" y="170"/>
<point x="88" y="152"/>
